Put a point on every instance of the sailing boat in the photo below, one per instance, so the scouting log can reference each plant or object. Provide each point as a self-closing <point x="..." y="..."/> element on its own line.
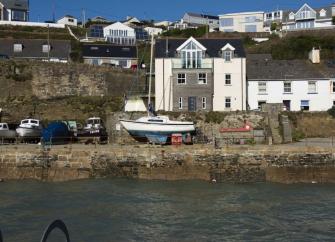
<point x="156" y="129"/>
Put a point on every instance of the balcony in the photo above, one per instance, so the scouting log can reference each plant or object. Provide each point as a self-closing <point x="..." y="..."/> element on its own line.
<point x="204" y="64"/>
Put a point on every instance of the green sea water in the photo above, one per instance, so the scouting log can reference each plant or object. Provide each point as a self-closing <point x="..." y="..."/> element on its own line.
<point x="131" y="210"/>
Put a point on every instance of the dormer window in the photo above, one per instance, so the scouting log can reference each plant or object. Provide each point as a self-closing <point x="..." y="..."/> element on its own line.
<point x="227" y="55"/>
<point x="46" y="48"/>
<point x="228" y="52"/>
<point x="291" y="16"/>
<point x="191" y="53"/>
<point x="18" y="48"/>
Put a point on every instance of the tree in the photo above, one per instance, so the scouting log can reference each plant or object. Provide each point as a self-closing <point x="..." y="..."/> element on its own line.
<point x="274" y="26"/>
<point x="333" y="20"/>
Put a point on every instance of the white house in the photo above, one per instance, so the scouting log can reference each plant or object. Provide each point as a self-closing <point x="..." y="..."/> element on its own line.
<point x="200" y="75"/>
<point x="14" y="10"/>
<point x="153" y="31"/>
<point x="68" y="20"/>
<point x="308" y="18"/>
<point x="298" y="84"/>
<point x="242" y="22"/>
<point x="164" y="23"/>
<point x="119" y="33"/>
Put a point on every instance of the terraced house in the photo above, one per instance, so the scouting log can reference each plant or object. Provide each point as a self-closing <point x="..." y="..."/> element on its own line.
<point x="200" y="75"/>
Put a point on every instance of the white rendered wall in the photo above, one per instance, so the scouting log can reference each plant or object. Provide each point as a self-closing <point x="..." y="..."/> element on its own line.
<point x="237" y="89"/>
<point x="321" y="101"/>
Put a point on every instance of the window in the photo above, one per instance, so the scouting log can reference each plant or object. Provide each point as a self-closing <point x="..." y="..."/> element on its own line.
<point x="269" y="16"/>
<point x="46" y="48"/>
<point x="250" y="19"/>
<point x="262" y="87"/>
<point x="18" y="15"/>
<point x="287" y="87"/>
<point x="71" y="20"/>
<point x="228" y="102"/>
<point x="228" y="79"/>
<point x="227" y="55"/>
<point x="251" y="28"/>
<point x="312" y="87"/>
<point x="191" y="56"/>
<point x="204" y="102"/>
<point x="227" y="22"/>
<point x="180" y="103"/>
<point x="202" y="78"/>
<point x="18" y="47"/>
<point x="333" y="88"/>
<point x="181" y="78"/>
<point x="304" y="105"/>
<point x="260" y="104"/>
<point x="333" y="103"/>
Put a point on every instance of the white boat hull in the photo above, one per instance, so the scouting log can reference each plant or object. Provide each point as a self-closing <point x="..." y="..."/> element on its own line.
<point x="141" y="130"/>
<point x="29" y="132"/>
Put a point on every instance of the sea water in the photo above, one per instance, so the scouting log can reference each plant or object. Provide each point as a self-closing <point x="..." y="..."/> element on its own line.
<point x="132" y="210"/>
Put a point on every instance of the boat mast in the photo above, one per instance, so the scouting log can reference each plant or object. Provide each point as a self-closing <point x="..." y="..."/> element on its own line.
<point x="150" y="72"/>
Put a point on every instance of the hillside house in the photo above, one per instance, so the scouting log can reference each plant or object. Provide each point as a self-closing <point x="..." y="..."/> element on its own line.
<point x="14" y="10"/>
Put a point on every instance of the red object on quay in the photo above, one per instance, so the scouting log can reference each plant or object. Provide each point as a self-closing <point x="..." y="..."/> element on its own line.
<point x="247" y="127"/>
<point x="176" y="139"/>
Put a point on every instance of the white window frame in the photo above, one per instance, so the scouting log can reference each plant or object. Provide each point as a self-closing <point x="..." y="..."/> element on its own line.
<point x="227" y="103"/>
<point x="263" y="90"/>
<point x="314" y="90"/>
<point x="226" y="79"/>
<point x="180" y="103"/>
<point x="204" y="102"/>
<point x="181" y="80"/>
<point x="202" y="80"/>
<point x="17" y="48"/>
<point x="228" y="55"/>
<point x="286" y="90"/>
<point x="46" y="48"/>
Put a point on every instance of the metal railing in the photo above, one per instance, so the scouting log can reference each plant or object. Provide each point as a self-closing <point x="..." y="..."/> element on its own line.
<point x="202" y="64"/>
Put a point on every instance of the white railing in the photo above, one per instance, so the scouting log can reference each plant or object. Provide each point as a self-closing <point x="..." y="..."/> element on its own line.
<point x="203" y="64"/>
<point x="33" y="24"/>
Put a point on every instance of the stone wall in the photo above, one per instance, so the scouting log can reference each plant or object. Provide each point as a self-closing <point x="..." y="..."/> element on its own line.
<point x="168" y="163"/>
<point x="52" y="80"/>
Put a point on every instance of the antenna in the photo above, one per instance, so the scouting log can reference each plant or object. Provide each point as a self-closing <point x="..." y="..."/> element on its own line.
<point x="53" y="11"/>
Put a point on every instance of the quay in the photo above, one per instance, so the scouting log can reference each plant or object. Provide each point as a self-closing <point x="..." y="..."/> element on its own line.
<point x="300" y="163"/>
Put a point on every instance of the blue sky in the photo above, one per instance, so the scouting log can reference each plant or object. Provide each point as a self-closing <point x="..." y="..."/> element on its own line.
<point x="157" y="9"/>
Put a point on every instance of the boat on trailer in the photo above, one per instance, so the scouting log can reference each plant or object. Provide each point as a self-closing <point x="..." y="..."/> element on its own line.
<point x="158" y="129"/>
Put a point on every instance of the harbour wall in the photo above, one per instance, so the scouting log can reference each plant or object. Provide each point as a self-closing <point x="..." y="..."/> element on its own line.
<point x="247" y="165"/>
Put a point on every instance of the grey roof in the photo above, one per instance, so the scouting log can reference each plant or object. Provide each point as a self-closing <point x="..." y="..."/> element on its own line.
<point x="260" y="68"/>
<point x="213" y="46"/>
<point x="108" y="50"/>
<point x="199" y="15"/>
<point x="33" y="48"/>
<point x="16" y="4"/>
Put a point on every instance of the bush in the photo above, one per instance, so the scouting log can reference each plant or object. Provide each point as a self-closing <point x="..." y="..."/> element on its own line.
<point x="298" y="135"/>
<point x="331" y="112"/>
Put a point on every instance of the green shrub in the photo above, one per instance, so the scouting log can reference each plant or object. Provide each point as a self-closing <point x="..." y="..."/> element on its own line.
<point x="298" y="135"/>
<point x="215" y="117"/>
<point x="331" y="111"/>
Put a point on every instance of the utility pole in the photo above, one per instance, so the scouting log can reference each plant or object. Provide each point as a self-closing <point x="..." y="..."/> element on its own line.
<point x="49" y="43"/>
<point x="53" y="11"/>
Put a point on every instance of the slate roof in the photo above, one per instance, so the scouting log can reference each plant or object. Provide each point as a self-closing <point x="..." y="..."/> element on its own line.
<point x="33" y="48"/>
<point x="213" y="47"/>
<point x="318" y="17"/>
<point x="108" y="50"/>
<point x="203" y="16"/>
<point x="16" y="4"/>
<point x="260" y="68"/>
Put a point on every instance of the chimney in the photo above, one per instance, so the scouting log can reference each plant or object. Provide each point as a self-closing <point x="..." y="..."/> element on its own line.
<point x="314" y="56"/>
